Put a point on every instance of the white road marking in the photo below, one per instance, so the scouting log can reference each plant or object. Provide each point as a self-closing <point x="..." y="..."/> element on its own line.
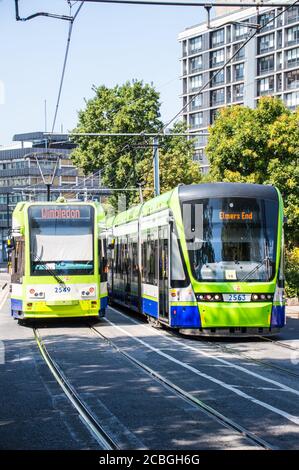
<point x="232" y="388"/>
<point x="223" y="361"/>
<point x="3" y="301"/>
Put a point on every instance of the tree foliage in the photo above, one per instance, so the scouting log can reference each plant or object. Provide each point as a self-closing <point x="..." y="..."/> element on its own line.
<point x="292" y="272"/>
<point x="126" y="161"/>
<point x="260" y="146"/>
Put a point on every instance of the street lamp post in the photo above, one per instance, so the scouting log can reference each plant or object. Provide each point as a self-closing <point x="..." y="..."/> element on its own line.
<point x="47" y="178"/>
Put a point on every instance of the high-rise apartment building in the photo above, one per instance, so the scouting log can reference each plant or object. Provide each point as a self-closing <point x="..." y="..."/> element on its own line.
<point x="267" y="65"/>
<point x="224" y="10"/>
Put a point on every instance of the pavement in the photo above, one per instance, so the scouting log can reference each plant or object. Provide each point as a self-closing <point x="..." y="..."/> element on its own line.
<point x="292" y="310"/>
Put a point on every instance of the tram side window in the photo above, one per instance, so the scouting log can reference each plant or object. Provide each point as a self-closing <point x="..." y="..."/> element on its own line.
<point x="116" y="257"/>
<point x="103" y="259"/>
<point x="18" y="261"/>
<point x="134" y="256"/>
<point x="121" y="257"/>
<point x="178" y="275"/>
<point x="149" y="260"/>
<point x="281" y="278"/>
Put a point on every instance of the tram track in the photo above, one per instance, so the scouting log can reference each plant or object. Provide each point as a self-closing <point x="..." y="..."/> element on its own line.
<point x="87" y="417"/>
<point x="223" y="348"/>
<point x="279" y="343"/>
<point x="212" y="412"/>
<point x="254" y="360"/>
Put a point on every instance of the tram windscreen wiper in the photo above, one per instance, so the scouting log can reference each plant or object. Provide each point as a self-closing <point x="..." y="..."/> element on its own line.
<point x="258" y="266"/>
<point x="37" y="258"/>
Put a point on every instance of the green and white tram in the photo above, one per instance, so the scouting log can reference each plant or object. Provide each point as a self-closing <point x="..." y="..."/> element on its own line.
<point x="56" y="261"/>
<point x="202" y="259"/>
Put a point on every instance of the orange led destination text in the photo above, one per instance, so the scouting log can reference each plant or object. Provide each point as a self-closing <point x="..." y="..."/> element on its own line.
<point x="235" y="215"/>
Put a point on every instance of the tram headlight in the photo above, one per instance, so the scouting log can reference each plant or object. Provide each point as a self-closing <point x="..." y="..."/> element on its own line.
<point x="261" y="297"/>
<point x="209" y="297"/>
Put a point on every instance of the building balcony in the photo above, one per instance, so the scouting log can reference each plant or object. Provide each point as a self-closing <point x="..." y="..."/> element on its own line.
<point x="194" y="89"/>
<point x="195" y="108"/>
<point x="266" y="70"/>
<point x="194" y="51"/>
<point x="292" y="16"/>
<point x="195" y="69"/>
<point x="291" y="63"/>
<point x="214" y="64"/>
<point x="238" y="98"/>
<point x="270" y="91"/>
<point x="266" y="50"/>
<point x="292" y="42"/>
<point x="218" y="102"/>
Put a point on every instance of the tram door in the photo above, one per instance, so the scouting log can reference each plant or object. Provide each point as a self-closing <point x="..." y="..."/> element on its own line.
<point x="163" y="273"/>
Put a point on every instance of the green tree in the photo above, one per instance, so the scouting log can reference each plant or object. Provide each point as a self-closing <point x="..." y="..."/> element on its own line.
<point x="132" y="107"/>
<point x="239" y="140"/>
<point x="128" y="161"/>
<point x="261" y="146"/>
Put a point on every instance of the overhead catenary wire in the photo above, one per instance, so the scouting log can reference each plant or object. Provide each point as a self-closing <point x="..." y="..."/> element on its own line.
<point x="259" y="3"/>
<point x="65" y="61"/>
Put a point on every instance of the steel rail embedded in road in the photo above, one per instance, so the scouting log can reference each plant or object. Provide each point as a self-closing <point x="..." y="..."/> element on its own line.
<point x="229" y="350"/>
<point x="269" y="365"/>
<point x="94" y="427"/>
<point x="279" y="343"/>
<point x="188" y="396"/>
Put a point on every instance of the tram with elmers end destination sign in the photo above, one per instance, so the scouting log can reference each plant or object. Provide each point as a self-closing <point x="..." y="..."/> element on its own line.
<point x="203" y="259"/>
<point x="56" y="261"/>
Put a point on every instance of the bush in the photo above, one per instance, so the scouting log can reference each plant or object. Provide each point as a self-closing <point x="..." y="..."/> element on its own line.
<point x="292" y="272"/>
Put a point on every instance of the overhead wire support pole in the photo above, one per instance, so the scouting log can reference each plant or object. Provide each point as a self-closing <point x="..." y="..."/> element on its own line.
<point x="41" y="13"/>
<point x="156" y="166"/>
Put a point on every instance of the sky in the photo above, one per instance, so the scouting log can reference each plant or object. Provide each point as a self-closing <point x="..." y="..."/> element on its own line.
<point x="110" y="45"/>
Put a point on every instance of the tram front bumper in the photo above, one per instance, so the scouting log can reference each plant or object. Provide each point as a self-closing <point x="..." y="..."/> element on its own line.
<point x="235" y="314"/>
<point x="228" y="318"/>
<point x="66" y="308"/>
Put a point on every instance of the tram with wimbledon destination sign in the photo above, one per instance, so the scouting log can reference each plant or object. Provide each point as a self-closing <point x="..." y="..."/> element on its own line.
<point x="202" y="259"/>
<point x="57" y="261"/>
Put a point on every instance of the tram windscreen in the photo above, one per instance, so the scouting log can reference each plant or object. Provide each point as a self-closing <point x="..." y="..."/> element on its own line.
<point x="231" y="239"/>
<point x="61" y="239"/>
